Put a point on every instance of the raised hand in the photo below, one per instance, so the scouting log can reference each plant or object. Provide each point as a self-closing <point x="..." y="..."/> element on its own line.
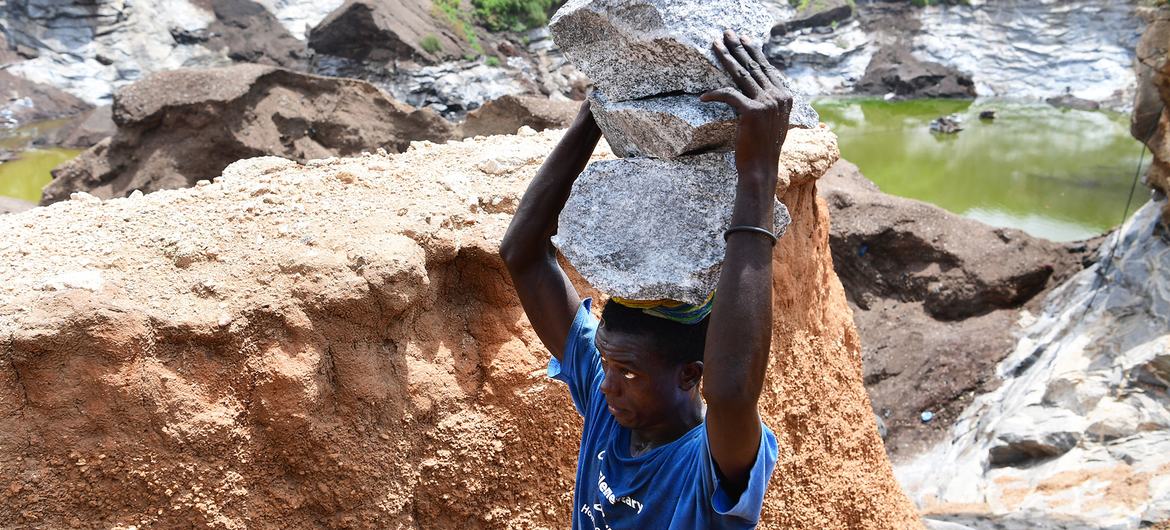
<point x="763" y="104"/>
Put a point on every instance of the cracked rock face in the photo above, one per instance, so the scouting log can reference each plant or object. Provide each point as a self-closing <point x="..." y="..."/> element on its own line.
<point x="649" y="229"/>
<point x="634" y="49"/>
<point x="664" y="127"/>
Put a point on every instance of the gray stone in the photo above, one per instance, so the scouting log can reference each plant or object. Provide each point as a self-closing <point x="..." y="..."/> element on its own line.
<point x="638" y="48"/>
<point x="1036" y="434"/>
<point x="664" y="127"/>
<point x="650" y="229"/>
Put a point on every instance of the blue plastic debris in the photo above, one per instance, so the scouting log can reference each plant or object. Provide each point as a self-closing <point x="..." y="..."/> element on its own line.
<point x="927" y="416"/>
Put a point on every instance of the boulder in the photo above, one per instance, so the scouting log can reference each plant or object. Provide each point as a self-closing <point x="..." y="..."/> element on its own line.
<point x="894" y="69"/>
<point x="387" y="30"/>
<point x="666" y="126"/>
<point x="645" y="48"/>
<point x="508" y="114"/>
<point x="936" y="298"/>
<point x="23" y="101"/>
<point x="336" y="344"/>
<point x="176" y="128"/>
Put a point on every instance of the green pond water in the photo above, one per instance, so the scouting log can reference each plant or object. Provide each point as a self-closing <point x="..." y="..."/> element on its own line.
<point x="24" y="177"/>
<point x="1059" y="174"/>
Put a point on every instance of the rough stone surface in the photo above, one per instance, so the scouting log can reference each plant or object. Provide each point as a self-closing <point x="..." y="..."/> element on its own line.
<point x="936" y="298"/>
<point x="508" y="114"/>
<point x="651" y="229"/>
<point x="640" y="48"/>
<point x="179" y="127"/>
<point x="337" y="345"/>
<point x="665" y="127"/>
<point x="1077" y="428"/>
<point x="385" y="30"/>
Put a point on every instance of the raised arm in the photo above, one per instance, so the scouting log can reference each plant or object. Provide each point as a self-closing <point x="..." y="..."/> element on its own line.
<point x="548" y="297"/>
<point x="739" y="335"/>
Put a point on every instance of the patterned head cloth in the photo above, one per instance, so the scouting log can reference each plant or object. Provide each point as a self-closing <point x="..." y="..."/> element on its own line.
<point x="674" y="310"/>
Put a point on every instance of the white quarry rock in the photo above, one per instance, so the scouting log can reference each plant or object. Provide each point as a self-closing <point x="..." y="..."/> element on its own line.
<point x="637" y="48"/>
<point x="133" y="39"/>
<point x="1092" y="367"/>
<point x="299" y="16"/>
<point x="650" y="229"/>
<point x="664" y="127"/>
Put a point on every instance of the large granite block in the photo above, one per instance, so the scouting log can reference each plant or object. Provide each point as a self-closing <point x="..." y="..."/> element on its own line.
<point x="649" y="229"/>
<point x="637" y="48"/>
<point x="664" y="127"/>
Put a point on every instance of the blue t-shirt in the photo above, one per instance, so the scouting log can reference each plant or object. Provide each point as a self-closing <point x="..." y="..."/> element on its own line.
<point x="674" y="486"/>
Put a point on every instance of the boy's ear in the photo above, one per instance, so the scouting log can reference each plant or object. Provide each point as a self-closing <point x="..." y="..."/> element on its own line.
<point x="690" y="375"/>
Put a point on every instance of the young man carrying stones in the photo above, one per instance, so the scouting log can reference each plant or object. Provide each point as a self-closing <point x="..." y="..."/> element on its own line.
<point x="660" y="450"/>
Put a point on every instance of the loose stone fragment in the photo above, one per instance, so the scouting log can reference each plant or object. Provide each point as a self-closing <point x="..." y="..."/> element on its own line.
<point x="664" y="127"/>
<point x="637" y="48"/>
<point x="648" y="229"/>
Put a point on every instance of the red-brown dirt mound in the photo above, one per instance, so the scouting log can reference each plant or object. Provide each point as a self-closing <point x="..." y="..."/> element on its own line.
<point x="336" y="345"/>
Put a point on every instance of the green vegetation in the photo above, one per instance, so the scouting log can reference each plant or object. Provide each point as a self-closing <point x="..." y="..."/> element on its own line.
<point x="460" y="20"/>
<point x="430" y="44"/>
<point x="513" y="15"/>
<point x="492" y="60"/>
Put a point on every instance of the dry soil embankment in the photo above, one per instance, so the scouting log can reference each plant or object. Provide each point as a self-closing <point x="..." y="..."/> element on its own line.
<point x="337" y="345"/>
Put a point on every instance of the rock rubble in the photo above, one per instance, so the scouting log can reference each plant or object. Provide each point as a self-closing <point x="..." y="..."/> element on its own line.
<point x="177" y="128"/>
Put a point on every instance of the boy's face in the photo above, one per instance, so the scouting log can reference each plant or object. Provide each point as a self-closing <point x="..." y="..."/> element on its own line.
<point x="641" y="389"/>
